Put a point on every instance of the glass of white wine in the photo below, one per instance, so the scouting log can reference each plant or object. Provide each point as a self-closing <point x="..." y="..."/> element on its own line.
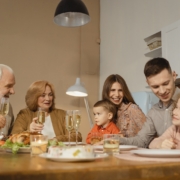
<point x="69" y="122"/>
<point x="76" y="121"/>
<point x="41" y="116"/>
<point x="4" y="109"/>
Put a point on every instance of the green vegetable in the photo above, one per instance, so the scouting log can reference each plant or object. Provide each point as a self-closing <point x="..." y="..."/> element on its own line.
<point x="54" y="142"/>
<point x="13" y="146"/>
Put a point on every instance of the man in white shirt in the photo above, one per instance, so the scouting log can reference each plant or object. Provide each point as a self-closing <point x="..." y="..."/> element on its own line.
<point x="7" y="82"/>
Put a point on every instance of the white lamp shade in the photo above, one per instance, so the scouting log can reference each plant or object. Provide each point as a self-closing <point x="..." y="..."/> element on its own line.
<point x="77" y="89"/>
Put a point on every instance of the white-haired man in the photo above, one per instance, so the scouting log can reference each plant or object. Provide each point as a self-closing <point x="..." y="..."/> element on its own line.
<point x="7" y="82"/>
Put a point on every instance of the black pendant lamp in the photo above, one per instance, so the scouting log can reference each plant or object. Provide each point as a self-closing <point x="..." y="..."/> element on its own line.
<point x="71" y="13"/>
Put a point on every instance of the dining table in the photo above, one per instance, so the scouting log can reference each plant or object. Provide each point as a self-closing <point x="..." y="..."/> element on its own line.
<point x="23" y="166"/>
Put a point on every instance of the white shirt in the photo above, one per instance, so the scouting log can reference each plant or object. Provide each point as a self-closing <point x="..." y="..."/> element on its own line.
<point x="48" y="128"/>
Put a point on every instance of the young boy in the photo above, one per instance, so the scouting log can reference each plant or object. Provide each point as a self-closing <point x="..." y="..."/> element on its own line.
<point x="171" y="137"/>
<point x="104" y="113"/>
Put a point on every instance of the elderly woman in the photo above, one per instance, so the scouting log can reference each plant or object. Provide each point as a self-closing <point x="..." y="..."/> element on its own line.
<point x="130" y="117"/>
<point x="41" y="95"/>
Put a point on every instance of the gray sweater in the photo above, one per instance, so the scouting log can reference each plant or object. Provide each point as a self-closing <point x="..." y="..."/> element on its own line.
<point x="158" y="119"/>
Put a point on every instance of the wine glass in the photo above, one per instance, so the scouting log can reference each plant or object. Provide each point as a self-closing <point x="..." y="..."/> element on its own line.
<point x="76" y="121"/>
<point x="4" y="109"/>
<point x="41" y="116"/>
<point x="69" y="122"/>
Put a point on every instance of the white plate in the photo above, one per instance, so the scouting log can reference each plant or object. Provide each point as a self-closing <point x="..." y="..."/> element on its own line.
<point x="98" y="156"/>
<point x="73" y="143"/>
<point x="159" y="153"/>
<point x="121" y="147"/>
<point x="21" y="150"/>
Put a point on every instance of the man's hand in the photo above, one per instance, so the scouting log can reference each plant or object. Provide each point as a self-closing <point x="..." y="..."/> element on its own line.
<point x="2" y="121"/>
<point x="168" y="144"/>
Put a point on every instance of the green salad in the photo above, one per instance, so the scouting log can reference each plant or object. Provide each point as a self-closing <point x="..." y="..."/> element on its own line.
<point x="54" y="142"/>
<point x="13" y="146"/>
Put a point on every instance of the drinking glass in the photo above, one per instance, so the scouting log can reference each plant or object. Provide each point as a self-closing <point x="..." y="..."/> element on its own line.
<point x="76" y="122"/>
<point x="4" y="109"/>
<point x="41" y="116"/>
<point x="69" y="122"/>
<point x="38" y="144"/>
<point x="111" y="143"/>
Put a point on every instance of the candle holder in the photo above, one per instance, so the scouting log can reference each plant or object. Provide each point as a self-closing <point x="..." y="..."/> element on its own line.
<point x="38" y="144"/>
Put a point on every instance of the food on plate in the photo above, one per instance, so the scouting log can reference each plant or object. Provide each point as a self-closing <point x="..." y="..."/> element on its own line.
<point x="16" y="141"/>
<point x="22" y="140"/>
<point x="2" y="143"/>
<point x="54" y="142"/>
<point x="71" y="152"/>
<point x="23" y="137"/>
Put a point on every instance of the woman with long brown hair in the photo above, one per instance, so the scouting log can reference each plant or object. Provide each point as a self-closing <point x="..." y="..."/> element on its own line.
<point x="130" y="117"/>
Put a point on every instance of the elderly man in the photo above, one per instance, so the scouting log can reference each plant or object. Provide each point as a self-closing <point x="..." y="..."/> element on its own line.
<point x="7" y="82"/>
<point x="160" y="79"/>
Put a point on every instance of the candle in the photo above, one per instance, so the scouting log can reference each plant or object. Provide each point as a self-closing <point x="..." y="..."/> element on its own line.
<point x="38" y="144"/>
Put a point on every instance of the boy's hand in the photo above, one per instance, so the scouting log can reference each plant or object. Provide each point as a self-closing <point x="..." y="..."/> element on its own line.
<point x="121" y="134"/>
<point x="99" y="143"/>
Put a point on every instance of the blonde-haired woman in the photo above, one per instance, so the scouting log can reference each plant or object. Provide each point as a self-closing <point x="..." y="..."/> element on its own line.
<point x="41" y="94"/>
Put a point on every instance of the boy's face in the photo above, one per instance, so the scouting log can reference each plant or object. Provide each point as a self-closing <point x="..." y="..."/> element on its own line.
<point x="101" y="116"/>
<point x="162" y="85"/>
<point x="176" y="114"/>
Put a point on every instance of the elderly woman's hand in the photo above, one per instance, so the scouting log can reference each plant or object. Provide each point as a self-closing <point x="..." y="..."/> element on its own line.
<point x="35" y="127"/>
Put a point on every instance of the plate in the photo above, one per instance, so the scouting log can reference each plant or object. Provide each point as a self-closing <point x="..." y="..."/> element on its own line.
<point x="73" y="143"/>
<point x="121" y="147"/>
<point x="21" y="150"/>
<point x="97" y="156"/>
<point x="159" y="153"/>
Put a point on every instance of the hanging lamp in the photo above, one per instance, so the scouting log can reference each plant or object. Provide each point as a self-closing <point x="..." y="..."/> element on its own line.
<point x="71" y="13"/>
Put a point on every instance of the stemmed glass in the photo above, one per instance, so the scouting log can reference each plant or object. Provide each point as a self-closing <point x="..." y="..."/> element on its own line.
<point x="77" y="121"/>
<point x="4" y="109"/>
<point x="69" y="122"/>
<point x="41" y="116"/>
